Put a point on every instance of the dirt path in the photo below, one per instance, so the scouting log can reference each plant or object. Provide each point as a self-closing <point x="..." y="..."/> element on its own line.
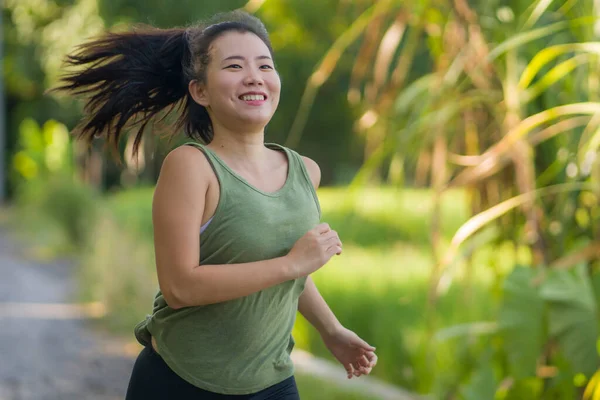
<point x="47" y="349"/>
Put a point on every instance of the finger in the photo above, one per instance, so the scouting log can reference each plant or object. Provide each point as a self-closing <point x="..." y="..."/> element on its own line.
<point x="366" y="365"/>
<point x="322" y="228"/>
<point x="364" y="361"/>
<point x="362" y="364"/>
<point x="365" y="346"/>
<point x="332" y="242"/>
<point x="325" y="239"/>
<point x="329" y="235"/>
<point x="372" y="357"/>
<point x="365" y="371"/>
<point x="349" y="370"/>
<point x="359" y="371"/>
<point x="335" y="249"/>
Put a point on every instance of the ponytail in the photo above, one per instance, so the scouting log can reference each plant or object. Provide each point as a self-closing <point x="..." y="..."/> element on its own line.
<point x="128" y="78"/>
<point x="131" y="77"/>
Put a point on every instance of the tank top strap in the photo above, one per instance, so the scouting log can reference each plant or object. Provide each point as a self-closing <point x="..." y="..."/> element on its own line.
<point x="300" y="176"/>
<point x="221" y="171"/>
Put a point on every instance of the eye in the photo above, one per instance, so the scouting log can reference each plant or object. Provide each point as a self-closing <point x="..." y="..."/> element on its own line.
<point x="235" y="66"/>
<point x="266" y="66"/>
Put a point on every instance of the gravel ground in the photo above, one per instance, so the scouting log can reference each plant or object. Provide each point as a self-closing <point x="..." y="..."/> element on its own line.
<point x="47" y="348"/>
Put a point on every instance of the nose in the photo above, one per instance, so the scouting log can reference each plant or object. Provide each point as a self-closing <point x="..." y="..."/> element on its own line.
<point x="253" y="78"/>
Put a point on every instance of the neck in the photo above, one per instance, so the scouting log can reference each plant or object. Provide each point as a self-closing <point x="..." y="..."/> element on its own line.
<point x="243" y="147"/>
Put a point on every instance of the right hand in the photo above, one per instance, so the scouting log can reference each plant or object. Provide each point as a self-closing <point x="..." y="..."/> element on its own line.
<point x="313" y="250"/>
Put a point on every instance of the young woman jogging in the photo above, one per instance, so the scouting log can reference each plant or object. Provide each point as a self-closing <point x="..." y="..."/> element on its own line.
<point x="236" y="220"/>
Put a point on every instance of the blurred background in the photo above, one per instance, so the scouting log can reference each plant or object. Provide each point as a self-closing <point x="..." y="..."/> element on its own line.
<point x="458" y="143"/>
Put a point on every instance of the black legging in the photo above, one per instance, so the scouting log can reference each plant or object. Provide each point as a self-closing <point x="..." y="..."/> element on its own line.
<point x="152" y="379"/>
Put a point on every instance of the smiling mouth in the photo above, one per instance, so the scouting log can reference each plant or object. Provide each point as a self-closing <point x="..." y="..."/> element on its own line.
<point x="253" y="97"/>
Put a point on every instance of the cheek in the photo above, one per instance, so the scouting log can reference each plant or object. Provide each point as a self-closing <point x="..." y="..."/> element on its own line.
<point x="222" y="86"/>
<point x="275" y="88"/>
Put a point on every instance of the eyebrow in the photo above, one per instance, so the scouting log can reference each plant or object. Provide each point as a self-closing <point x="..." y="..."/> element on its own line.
<point x="244" y="58"/>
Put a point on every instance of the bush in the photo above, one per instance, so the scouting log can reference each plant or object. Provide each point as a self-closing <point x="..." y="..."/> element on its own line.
<point x="117" y="269"/>
<point x="61" y="205"/>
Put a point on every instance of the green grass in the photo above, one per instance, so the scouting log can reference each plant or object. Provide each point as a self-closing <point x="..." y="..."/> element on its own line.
<point x="383" y="217"/>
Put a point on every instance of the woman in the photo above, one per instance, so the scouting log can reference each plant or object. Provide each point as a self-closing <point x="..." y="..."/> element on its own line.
<point x="236" y="221"/>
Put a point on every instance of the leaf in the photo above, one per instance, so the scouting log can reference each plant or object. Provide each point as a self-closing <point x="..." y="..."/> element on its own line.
<point x="429" y="122"/>
<point x="482" y="385"/>
<point x="522" y="321"/>
<point x="557" y="128"/>
<point x="554" y="75"/>
<point x="469" y="329"/>
<point x="592" y="390"/>
<point x="595" y="278"/>
<point x="572" y="316"/>
<point x="540" y="8"/>
<point x="387" y="48"/>
<point x="363" y="60"/>
<point x="590" y="139"/>
<point x="534" y="140"/>
<point x="491" y="214"/>
<point x="523" y="38"/>
<point x="550" y="53"/>
<point x="494" y="154"/>
<point x="252" y="6"/>
<point x="407" y="97"/>
<point x="578" y="255"/>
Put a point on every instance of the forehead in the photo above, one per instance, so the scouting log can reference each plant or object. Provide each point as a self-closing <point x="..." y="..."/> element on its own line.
<point x="245" y="44"/>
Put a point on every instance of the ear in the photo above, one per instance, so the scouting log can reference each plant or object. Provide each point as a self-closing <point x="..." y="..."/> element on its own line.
<point x="198" y="92"/>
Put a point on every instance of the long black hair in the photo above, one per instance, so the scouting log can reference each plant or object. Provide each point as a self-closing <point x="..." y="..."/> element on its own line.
<point x="129" y="78"/>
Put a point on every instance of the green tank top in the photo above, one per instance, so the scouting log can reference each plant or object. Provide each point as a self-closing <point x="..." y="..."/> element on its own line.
<point x="243" y="345"/>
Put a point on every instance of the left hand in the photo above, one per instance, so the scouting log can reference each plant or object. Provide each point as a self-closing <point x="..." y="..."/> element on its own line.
<point x="356" y="355"/>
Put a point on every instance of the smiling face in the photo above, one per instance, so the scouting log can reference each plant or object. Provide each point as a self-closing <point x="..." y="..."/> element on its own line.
<point x="242" y="88"/>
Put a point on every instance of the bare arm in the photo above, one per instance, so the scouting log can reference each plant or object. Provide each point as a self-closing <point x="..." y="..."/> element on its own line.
<point x="311" y="304"/>
<point x="356" y="355"/>
<point x="177" y="212"/>
<point x="313" y="307"/>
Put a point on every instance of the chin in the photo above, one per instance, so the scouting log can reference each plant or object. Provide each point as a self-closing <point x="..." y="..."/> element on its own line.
<point x="255" y="121"/>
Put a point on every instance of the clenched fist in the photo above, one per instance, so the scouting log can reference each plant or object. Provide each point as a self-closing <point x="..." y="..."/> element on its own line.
<point x="313" y="250"/>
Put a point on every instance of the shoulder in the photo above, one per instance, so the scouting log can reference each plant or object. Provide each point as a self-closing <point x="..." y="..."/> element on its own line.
<point x="313" y="171"/>
<point x="185" y="156"/>
<point x="311" y="166"/>
<point x="185" y="165"/>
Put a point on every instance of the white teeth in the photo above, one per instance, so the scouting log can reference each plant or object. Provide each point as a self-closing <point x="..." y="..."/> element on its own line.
<point x="253" y="97"/>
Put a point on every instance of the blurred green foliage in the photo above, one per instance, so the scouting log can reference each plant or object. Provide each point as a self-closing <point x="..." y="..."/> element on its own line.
<point x="45" y="185"/>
